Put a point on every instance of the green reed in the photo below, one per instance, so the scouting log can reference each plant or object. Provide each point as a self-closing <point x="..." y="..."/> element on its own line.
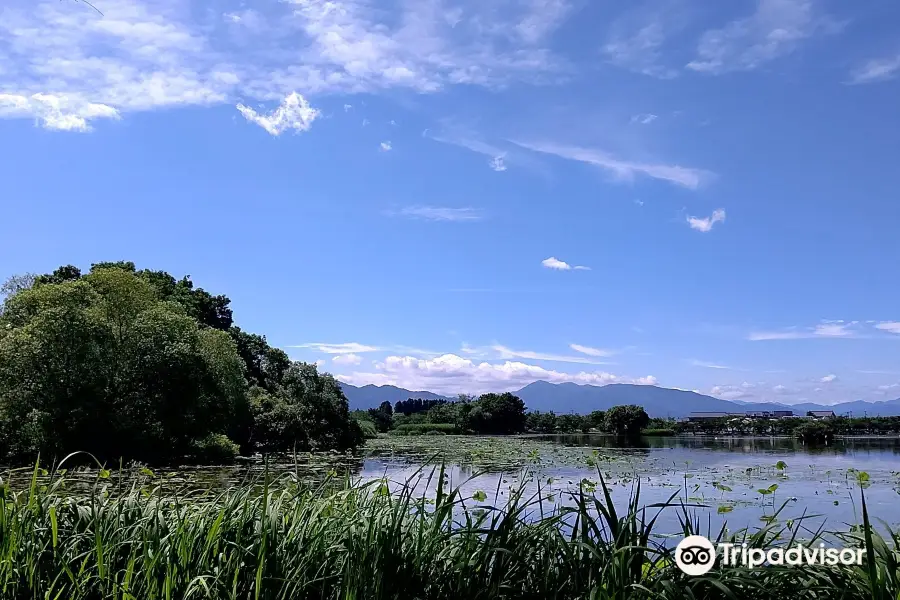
<point x="277" y="538"/>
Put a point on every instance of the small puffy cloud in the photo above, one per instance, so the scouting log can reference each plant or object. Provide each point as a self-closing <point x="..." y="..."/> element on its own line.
<point x="591" y="351"/>
<point x="453" y="374"/>
<point x="440" y="213"/>
<point x="293" y="113"/>
<point x="57" y="112"/>
<point x="705" y="224"/>
<point x="347" y="359"/>
<point x="498" y="164"/>
<point x="346" y="348"/>
<point x="385" y="146"/>
<point x="829" y="378"/>
<point x="347" y="107"/>
<point x="559" y="265"/>
<point x="644" y="119"/>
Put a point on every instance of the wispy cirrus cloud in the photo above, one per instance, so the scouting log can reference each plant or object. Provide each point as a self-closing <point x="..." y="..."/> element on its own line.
<point x="342" y="348"/>
<point x="825" y="329"/>
<point x="440" y="213"/>
<point x="705" y="224"/>
<point x="590" y="351"/>
<point x="559" y="265"/>
<point x="776" y="28"/>
<point x="624" y="170"/>
<point x="876" y="70"/>
<point x="504" y="352"/>
<point x="635" y="39"/>
<point x="709" y="365"/>
<point x="498" y="158"/>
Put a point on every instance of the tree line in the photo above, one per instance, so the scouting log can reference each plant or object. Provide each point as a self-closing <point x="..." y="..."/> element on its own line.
<point x="138" y="365"/>
<point x="501" y="414"/>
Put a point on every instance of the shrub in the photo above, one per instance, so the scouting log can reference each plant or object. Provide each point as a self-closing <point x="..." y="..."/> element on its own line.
<point x="658" y="432"/>
<point x="420" y="428"/>
<point x="215" y="448"/>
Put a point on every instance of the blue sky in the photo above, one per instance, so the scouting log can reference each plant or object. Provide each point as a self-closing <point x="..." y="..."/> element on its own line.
<point x="470" y="196"/>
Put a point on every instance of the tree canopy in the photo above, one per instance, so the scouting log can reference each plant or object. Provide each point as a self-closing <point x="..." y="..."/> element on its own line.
<point x="134" y="364"/>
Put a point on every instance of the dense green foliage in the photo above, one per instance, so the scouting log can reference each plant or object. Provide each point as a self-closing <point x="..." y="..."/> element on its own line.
<point x="627" y="420"/>
<point x="412" y="406"/>
<point x="130" y="364"/>
<point x="282" y="541"/>
<point x="814" y="432"/>
<point x="426" y="428"/>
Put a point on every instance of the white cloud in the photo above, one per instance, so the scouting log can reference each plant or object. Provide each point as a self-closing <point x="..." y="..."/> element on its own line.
<point x="347" y="359"/>
<point x="828" y="378"/>
<point x="347" y="107"/>
<point x="591" y="351"/>
<point x="708" y="365"/>
<point x="504" y="352"/>
<point x="55" y="112"/>
<point x="775" y="29"/>
<point x="148" y="54"/>
<point x="559" y="265"/>
<point x="465" y="139"/>
<point x="346" y="348"/>
<point x="441" y="213"/>
<point x="542" y="18"/>
<point x="877" y="69"/>
<point x="622" y="169"/>
<point x="635" y="40"/>
<point x="705" y="224"/>
<point x="889" y="326"/>
<point x="835" y="329"/>
<point x="293" y="113"/>
<point x="385" y="146"/>
<point x="644" y="119"/>
<point x="732" y="392"/>
<point x="452" y="374"/>
<point x="827" y="329"/>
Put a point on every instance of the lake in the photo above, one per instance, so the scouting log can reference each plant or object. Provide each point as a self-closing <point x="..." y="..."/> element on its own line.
<point x="723" y="474"/>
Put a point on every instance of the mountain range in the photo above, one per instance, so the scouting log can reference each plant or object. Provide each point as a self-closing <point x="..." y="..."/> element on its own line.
<point x="657" y="401"/>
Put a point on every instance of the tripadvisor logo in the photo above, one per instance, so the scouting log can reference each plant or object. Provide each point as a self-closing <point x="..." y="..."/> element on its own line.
<point x="696" y="555"/>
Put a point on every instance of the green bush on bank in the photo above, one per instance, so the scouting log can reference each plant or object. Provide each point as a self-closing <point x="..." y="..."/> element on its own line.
<point x="425" y="428"/>
<point x="662" y="432"/>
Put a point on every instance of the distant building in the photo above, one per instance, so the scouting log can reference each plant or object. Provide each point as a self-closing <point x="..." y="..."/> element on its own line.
<point x="779" y="414"/>
<point x="706" y="416"/>
<point x="760" y="413"/>
<point x="820" y="414"/>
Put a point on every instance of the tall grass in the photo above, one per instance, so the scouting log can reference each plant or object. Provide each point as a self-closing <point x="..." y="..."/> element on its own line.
<point x="278" y="539"/>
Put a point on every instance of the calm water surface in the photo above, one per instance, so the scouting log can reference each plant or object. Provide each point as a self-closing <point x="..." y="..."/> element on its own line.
<point x="814" y="481"/>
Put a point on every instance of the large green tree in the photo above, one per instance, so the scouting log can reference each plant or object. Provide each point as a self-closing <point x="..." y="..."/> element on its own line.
<point x="139" y="365"/>
<point x="627" y="420"/>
